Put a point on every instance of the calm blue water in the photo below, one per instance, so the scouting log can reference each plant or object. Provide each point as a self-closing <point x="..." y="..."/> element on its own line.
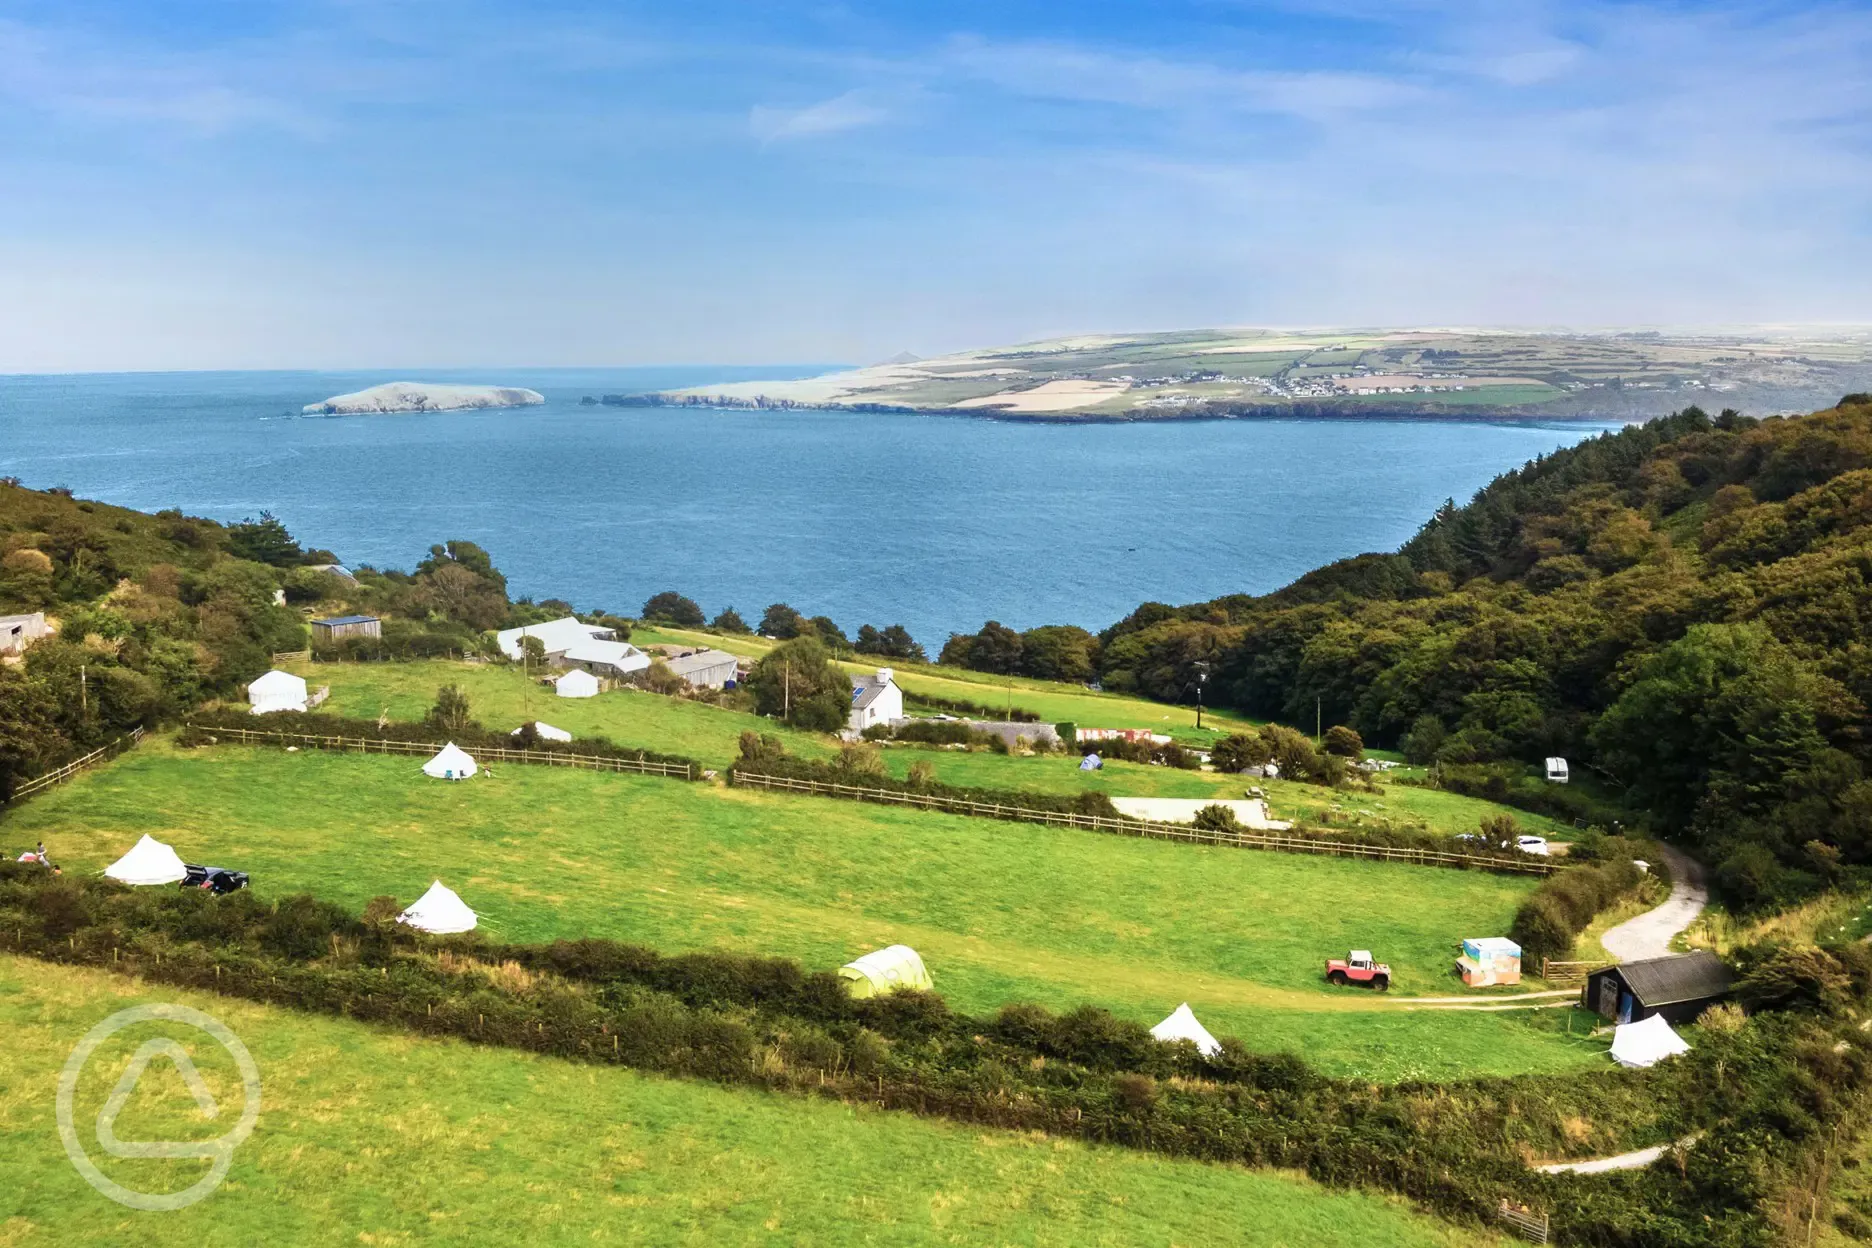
<point x="934" y="522"/>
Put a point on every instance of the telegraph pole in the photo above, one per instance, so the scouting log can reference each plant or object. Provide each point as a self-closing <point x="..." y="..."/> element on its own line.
<point x="1202" y="678"/>
<point x="1317" y="721"/>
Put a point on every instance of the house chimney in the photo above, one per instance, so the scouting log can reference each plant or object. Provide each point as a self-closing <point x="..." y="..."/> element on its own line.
<point x="884" y="675"/>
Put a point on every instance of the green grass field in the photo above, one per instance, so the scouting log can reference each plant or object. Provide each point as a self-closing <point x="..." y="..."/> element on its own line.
<point x="370" y="1137"/>
<point x="1002" y="912"/>
<point x="501" y="698"/>
<point x="1053" y="701"/>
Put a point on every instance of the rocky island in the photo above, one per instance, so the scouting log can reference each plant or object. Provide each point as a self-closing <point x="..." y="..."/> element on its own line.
<point x="416" y="396"/>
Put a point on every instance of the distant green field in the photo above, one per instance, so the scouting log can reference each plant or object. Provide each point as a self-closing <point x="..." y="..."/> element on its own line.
<point x="1052" y="701"/>
<point x="1002" y="912"/>
<point x="369" y="1137"/>
<point x="501" y="697"/>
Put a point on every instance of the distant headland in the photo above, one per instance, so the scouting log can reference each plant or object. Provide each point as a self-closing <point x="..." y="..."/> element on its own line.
<point x="1316" y="374"/>
<point x="416" y="396"/>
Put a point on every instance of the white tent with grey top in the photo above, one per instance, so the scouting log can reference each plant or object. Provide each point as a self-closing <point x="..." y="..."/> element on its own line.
<point x="148" y="862"/>
<point x="1646" y="1042"/>
<point x="450" y="763"/>
<point x="439" y="912"/>
<point x="546" y="731"/>
<point x="1182" y="1025"/>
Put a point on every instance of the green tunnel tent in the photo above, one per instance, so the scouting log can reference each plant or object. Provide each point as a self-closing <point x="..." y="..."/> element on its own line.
<point x="877" y="974"/>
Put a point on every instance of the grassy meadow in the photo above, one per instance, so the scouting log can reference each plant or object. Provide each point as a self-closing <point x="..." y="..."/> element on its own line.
<point x="370" y="1137"/>
<point x="502" y="697"/>
<point x="1002" y="912"/>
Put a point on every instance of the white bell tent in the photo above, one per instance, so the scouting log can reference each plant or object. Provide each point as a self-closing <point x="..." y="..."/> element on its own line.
<point x="1646" y="1042"/>
<point x="879" y="972"/>
<point x="546" y="731"/>
<point x="1182" y="1025"/>
<point x="450" y="763"/>
<point x="277" y="691"/>
<point x="148" y="862"/>
<point x="577" y="683"/>
<point x="439" y="912"/>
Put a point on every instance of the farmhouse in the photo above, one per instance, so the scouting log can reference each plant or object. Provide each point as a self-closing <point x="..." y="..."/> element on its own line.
<point x="1679" y="987"/>
<point x="339" y="627"/>
<point x="612" y="660"/>
<point x="557" y="636"/>
<point x="277" y="691"/>
<point x="705" y="669"/>
<point x="19" y="631"/>
<point x="875" y="700"/>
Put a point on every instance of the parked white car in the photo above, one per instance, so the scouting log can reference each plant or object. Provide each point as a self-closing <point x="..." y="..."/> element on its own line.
<point x="1532" y="844"/>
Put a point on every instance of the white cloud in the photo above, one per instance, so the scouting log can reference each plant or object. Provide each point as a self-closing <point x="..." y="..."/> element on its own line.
<point x="853" y="110"/>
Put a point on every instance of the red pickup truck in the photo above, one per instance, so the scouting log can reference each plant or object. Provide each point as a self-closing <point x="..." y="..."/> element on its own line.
<point x="1359" y="968"/>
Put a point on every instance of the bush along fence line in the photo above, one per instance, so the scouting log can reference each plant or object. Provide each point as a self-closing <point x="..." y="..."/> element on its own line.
<point x="1035" y="808"/>
<point x="59" y="775"/>
<point x="330" y="732"/>
<point x="1766" y="1093"/>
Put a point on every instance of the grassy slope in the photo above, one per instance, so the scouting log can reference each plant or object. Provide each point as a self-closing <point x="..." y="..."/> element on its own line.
<point x="370" y="1137"/>
<point x="1051" y="700"/>
<point x="1001" y="911"/>
<point x="502" y="697"/>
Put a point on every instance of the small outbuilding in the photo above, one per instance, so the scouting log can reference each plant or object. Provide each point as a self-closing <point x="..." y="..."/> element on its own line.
<point x="19" y="631"/>
<point x="277" y="691"/>
<point x="148" y="862"/>
<point x="450" y="763"/>
<point x="879" y="973"/>
<point x="705" y="669"/>
<point x="1556" y="771"/>
<point x="440" y="912"/>
<point x="1679" y="987"/>
<point x="577" y="683"/>
<point x="342" y="627"/>
<point x="1489" y="960"/>
<point x="1182" y="1025"/>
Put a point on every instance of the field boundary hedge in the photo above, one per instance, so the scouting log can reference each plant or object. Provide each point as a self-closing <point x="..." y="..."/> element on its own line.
<point x="1277" y="841"/>
<point x="59" y="775"/>
<point x="494" y="753"/>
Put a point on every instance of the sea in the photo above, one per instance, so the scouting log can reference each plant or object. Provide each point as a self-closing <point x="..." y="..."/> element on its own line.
<point x="934" y="522"/>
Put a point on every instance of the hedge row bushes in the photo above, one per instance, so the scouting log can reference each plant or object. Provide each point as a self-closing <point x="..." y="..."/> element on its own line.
<point x="1554" y="914"/>
<point x="1766" y="1094"/>
<point x="470" y="738"/>
<point x="958" y="706"/>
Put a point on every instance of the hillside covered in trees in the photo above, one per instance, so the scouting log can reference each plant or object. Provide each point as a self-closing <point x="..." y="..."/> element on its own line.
<point x="155" y="613"/>
<point x="1682" y="606"/>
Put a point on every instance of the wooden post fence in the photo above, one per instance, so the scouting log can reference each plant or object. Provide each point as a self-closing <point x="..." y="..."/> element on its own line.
<point x="1567" y="972"/>
<point x="38" y="784"/>
<point x="1279" y="841"/>
<point x="488" y="753"/>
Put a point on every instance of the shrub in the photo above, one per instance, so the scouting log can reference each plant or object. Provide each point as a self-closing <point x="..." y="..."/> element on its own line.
<point x="1344" y="742"/>
<point x="1238" y="752"/>
<point x="1217" y="818"/>
<point x="1542" y="928"/>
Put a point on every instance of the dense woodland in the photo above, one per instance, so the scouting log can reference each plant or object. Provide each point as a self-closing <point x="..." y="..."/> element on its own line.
<point x="1681" y="607"/>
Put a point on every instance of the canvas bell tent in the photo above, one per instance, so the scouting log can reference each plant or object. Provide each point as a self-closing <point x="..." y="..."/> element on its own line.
<point x="577" y="683"/>
<point x="1646" y="1042"/>
<point x="876" y="974"/>
<point x="1182" y="1025"/>
<point x="439" y="912"/>
<point x="450" y="763"/>
<point x="277" y="691"/>
<point x="148" y="862"/>
<point x="546" y="732"/>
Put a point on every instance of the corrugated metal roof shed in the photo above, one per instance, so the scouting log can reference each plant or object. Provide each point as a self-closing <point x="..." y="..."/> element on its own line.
<point x="1678" y="977"/>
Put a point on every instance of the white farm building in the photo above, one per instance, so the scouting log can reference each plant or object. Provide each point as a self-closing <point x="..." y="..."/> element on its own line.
<point x="875" y="700"/>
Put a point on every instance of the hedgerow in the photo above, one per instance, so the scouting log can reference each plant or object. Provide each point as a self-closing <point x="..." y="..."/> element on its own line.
<point x="1764" y="1095"/>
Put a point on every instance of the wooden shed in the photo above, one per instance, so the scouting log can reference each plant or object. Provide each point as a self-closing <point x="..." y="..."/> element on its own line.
<point x="1680" y="986"/>
<point x="340" y="627"/>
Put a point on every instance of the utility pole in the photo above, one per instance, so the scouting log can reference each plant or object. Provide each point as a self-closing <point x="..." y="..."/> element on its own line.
<point x="1202" y="678"/>
<point x="1317" y="721"/>
<point x="84" y="698"/>
<point x="786" y="686"/>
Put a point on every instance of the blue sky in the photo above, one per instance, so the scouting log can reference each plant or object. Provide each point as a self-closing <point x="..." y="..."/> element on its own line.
<point x="334" y="183"/>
